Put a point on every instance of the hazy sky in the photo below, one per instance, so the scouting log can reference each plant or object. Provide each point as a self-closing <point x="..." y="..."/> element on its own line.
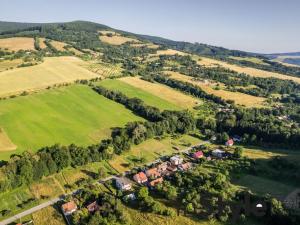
<point x="251" y="25"/>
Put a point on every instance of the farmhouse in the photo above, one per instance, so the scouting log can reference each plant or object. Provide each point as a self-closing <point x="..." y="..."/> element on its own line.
<point x="185" y="166"/>
<point x="156" y="181"/>
<point x="176" y="160"/>
<point x="152" y="173"/>
<point x="93" y="207"/>
<point x="161" y="168"/>
<point x="123" y="184"/>
<point x="218" y="153"/>
<point x="229" y="143"/>
<point x="198" y="155"/>
<point x="140" y="178"/>
<point x="68" y="208"/>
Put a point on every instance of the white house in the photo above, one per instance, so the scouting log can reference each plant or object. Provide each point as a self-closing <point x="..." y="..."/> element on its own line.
<point x="218" y="153"/>
<point x="123" y="184"/>
<point x="176" y="160"/>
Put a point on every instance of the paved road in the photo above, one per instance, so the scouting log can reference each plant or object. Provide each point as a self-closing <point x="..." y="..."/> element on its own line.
<point x="55" y="200"/>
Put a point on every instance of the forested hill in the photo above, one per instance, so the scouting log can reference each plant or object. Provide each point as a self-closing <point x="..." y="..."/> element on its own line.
<point x="63" y="32"/>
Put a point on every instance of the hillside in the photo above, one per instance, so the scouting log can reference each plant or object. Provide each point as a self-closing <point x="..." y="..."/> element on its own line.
<point x="157" y="130"/>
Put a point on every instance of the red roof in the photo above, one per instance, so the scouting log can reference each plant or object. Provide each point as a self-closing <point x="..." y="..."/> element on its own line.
<point x="140" y="177"/>
<point x="230" y="142"/>
<point x="198" y="155"/>
<point x="156" y="181"/>
<point x="152" y="173"/>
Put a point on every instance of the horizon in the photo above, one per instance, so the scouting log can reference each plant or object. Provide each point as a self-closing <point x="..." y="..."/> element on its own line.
<point x="266" y="27"/>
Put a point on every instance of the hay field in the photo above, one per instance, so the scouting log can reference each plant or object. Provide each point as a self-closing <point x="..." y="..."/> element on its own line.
<point x="17" y="43"/>
<point x="132" y="92"/>
<point x="74" y="114"/>
<point x="116" y="38"/>
<point x="9" y="64"/>
<point x="163" y="92"/>
<point x="54" y="70"/>
<point x="249" y="59"/>
<point x="59" y="46"/>
<point x="148" y="45"/>
<point x="237" y="97"/>
<point x="250" y="71"/>
<point x="42" y="43"/>
<point x="169" y="52"/>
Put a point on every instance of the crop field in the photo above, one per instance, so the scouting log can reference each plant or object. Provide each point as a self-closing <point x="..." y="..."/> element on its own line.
<point x="54" y="70"/>
<point x="42" y="43"/>
<point x="73" y="114"/>
<point x="131" y="91"/>
<point x="17" y="43"/>
<point x="237" y="97"/>
<point x="116" y="38"/>
<point x="248" y="70"/>
<point x="104" y="69"/>
<point x="148" y="45"/>
<point x="170" y="52"/>
<point x="164" y="92"/>
<point x="9" y="64"/>
<point x="59" y="46"/>
<point x="151" y="150"/>
<point x="5" y="142"/>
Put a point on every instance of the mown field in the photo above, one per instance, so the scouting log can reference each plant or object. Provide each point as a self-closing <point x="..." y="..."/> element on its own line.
<point x="17" y="43"/>
<point x="54" y="70"/>
<point x="237" y="97"/>
<point x="116" y="38"/>
<point x="131" y="91"/>
<point x="73" y="114"/>
<point x="9" y="64"/>
<point x="250" y="71"/>
<point x="104" y="69"/>
<point x="164" y="92"/>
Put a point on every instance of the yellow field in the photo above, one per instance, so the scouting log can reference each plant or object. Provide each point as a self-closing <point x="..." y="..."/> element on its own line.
<point x="249" y="59"/>
<point x="116" y="39"/>
<point x="170" y="52"/>
<point x="5" y="143"/>
<point x="49" y="216"/>
<point x="148" y="45"/>
<point x="237" y="97"/>
<point x="104" y="69"/>
<point x="42" y="43"/>
<point x="54" y="70"/>
<point x="59" y="46"/>
<point x="17" y="43"/>
<point x="250" y="71"/>
<point x="8" y="64"/>
<point x="163" y="92"/>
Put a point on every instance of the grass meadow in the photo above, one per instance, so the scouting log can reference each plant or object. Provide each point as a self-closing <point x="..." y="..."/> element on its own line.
<point x="73" y="114"/>
<point x="131" y="91"/>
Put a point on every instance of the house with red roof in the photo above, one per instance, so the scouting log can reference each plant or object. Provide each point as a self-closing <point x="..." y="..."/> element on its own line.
<point x="198" y="155"/>
<point x="229" y="143"/>
<point x="140" y="178"/>
<point x="152" y="173"/>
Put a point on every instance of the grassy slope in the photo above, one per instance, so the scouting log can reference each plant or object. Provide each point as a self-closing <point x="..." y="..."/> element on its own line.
<point x="67" y="115"/>
<point x="132" y="91"/>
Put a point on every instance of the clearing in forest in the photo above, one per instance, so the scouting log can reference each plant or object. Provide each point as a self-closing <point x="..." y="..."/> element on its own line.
<point x="237" y="97"/>
<point x="54" y="70"/>
<point x="115" y="38"/>
<point x="74" y="114"/>
<point x="17" y="43"/>
<point x="164" y="92"/>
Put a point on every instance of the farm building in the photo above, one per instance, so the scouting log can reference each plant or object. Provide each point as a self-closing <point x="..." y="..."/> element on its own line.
<point x="140" y="178"/>
<point x="176" y="160"/>
<point x="69" y="207"/>
<point x="123" y="184"/>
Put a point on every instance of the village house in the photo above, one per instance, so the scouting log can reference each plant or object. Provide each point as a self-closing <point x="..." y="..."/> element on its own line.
<point x="123" y="184"/>
<point x="229" y="143"/>
<point x="198" y="155"/>
<point x="93" y="207"/>
<point x="172" y="168"/>
<point x="218" y="153"/>
<point x="161" y="168"/>
<point x="176" y="160"/>
<point x="152" y="173"/>
<point x="156" y="181"/>
<point x="68" y="208"/>
<point x="140" y="178"/>
<point x="185" y="166"/>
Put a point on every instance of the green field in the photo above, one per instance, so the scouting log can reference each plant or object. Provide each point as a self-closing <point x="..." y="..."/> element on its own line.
<point x="132" y="91"/>
<point x="73" y="114"/>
